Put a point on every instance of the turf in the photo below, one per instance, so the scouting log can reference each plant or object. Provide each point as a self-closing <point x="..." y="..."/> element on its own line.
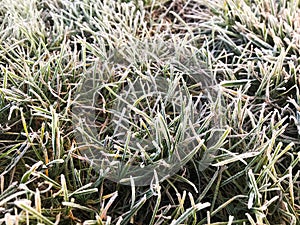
<point x="79" y="84"/>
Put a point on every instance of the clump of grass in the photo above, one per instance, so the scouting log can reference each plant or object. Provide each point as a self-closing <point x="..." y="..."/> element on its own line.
<point x="249" y="49"/>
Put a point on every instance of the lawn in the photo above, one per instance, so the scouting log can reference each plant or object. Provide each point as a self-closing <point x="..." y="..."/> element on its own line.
<point x="150" y="112"/>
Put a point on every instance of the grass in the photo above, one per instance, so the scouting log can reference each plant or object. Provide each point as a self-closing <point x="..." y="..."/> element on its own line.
<point x="226" y="125"/>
